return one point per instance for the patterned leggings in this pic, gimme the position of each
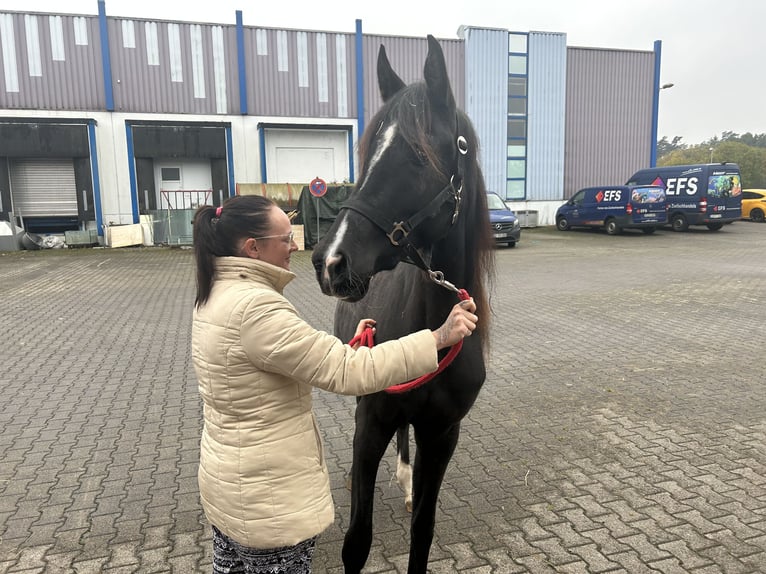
(230, 557)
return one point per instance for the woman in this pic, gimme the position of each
(262, 476)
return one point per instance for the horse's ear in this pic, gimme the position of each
(388, 81)
(437, 80)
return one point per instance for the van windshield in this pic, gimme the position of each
(647, 195)
(724, 185)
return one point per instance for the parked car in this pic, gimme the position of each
(615, 208)
(754, 204)
(505, 225)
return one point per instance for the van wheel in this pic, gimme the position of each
(679, 222)
(649, 230)
(562, 224)
(612, 228)
(757, 215)
(714, 226)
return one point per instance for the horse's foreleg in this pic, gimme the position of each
(403, 466)
(370, 442)
(431, 459)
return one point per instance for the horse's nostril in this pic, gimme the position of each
(334, 265)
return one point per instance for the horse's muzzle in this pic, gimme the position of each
(336, 278)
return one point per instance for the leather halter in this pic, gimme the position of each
(398, 232)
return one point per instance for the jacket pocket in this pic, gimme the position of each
(318, 438)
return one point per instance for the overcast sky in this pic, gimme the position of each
(714, 52)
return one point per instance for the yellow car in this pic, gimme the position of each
(754, 204)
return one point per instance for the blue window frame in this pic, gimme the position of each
(516, 169)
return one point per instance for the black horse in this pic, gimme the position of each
(420, 199)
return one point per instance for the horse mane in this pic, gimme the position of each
(479, 242)
(410, 109)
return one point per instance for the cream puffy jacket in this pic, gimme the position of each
(262, 475)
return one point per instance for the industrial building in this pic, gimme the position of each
(110, 122)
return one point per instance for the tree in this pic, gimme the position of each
(664, 147)
(754, 140)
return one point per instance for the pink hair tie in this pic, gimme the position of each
(218, 211)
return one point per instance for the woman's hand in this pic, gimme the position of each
(363, 324)
(460, 323)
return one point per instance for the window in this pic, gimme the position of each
(517, 129)
(514, 189)
(517, 149)
(517, 106)
(517, 43)
(517, 64)
(171, 174)
(517, 86)
(516, 168)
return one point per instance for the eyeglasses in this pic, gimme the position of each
(287, 237)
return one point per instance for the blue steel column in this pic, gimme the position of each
(241, 67)
(359, 81)
(132, 172)
(106, 60)
(655, 102)
(95, 176)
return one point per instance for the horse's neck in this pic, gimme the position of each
(449, 256)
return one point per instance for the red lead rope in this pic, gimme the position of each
(367, 339)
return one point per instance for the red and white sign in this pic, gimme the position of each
(318, 187)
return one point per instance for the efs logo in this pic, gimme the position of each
(682, 185)
(609, 195)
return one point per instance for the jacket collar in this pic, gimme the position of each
(239, 268)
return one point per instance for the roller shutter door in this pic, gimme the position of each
(43, 187)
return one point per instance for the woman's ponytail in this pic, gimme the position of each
(205, 249)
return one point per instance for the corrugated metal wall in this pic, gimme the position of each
(53, 62)
(486, 69)
(547, 73)
(297, 73)
(608, 116)
(168, 67)
(407, 57)
(50, 62)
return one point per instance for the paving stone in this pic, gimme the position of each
(587, 450)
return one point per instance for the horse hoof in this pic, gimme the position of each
(408, 505)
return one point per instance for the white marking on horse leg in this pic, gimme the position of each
(331, 256)
(404, 478)
(385, 142)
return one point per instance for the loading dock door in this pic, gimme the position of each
(298, 164)
(298, 156)
(43, 187)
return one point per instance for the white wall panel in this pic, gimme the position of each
(486, 86)
(546, 110)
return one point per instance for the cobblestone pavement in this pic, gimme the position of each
(621, 428)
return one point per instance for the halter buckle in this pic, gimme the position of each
(398, 227)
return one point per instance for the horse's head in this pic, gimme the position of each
(409, 192)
